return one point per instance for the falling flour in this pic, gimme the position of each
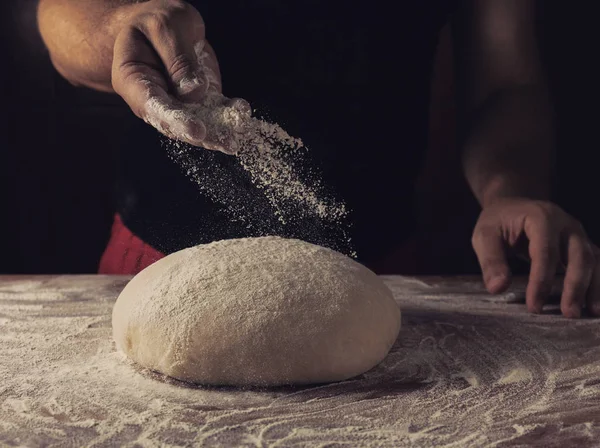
(271, 159)
(261, 149)
(271, 188)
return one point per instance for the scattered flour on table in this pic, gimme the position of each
(464, 372)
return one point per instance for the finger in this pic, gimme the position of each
(489, 247)
(544, 252)
(593, 292)
(173, 35)
(580, 266)
(137, 77)
(136, 70)
(226, 134)
(172, 119)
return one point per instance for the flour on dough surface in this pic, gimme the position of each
(257, 311)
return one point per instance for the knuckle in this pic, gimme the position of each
(124, 75)
(179, 9)
(177, 5)
(476, 238)
(158, 22)
(588, 258)
(171, 13)
(544, 210)
(481, 234)
(180, 66)
(126, 71)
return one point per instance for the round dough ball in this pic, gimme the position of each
(256, 311)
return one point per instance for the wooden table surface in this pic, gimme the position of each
(468, 369)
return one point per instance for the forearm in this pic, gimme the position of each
(80, 36)
(508, 149)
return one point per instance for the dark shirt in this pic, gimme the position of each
(353, 83)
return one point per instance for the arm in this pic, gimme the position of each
(508, 157)
(80, 36)
(508, 143)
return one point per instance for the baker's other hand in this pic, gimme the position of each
(550, 238)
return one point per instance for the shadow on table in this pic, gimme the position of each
(451, 349)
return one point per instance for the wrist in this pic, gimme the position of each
(501, 187)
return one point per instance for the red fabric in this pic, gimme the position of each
(126, 254)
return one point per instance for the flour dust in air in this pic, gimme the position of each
(265, 183)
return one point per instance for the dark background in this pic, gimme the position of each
(58, 145)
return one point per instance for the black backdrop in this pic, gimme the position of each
(57, 147)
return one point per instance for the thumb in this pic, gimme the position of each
(490, 249)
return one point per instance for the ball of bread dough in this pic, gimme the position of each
(256, 311)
